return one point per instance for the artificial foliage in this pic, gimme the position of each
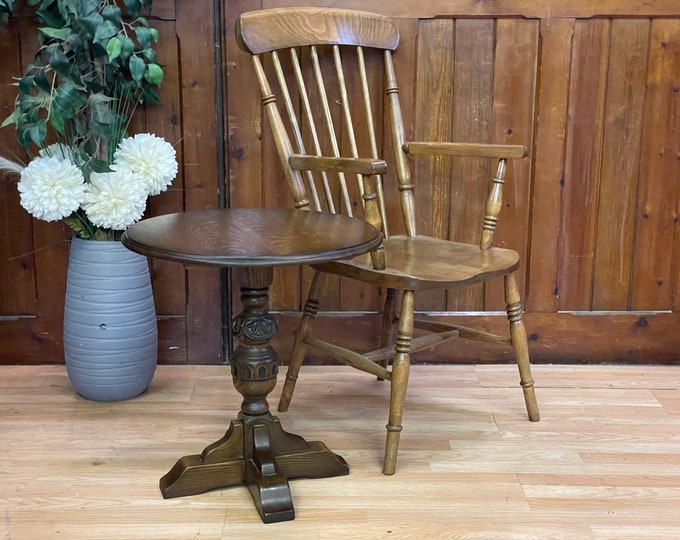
(95, 64)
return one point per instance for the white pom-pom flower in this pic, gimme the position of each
(115, 200)
(59, 150)
(51, 188)
(150, 158)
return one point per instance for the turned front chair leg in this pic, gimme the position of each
(299, 348)
(388, 325)
(399, 382)
(520, 345)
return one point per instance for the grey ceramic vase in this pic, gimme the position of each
(110, 330)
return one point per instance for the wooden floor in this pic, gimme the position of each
(604, 462)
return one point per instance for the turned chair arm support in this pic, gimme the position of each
(500, 151)
(348, 165)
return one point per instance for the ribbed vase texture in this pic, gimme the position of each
(110, 330)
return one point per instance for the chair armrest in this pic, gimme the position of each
(500, 151)
(365, 166)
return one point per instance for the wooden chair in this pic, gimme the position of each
(329, 145)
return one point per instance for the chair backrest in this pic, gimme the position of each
(328, 87)
(325, 98)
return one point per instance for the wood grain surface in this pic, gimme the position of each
(251, 237)
(601, 465)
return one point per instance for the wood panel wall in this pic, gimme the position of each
(34, 254)
(592, 88)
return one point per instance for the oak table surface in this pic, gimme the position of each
(251, 237)
(255, 450)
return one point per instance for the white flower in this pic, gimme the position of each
(115, 199)
(51, 188)
(59, 150)
(149, 157)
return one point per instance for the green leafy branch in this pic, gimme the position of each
(94, 65)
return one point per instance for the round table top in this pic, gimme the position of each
(251, 237)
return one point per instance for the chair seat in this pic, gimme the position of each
(423, 262)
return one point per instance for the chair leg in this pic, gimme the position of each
(299, 348)
(399, 382)
(389, 320)
(518, 336)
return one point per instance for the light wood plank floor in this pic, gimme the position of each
(604, 462)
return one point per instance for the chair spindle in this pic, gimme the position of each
(283, 145)
(494, 204)
(330, 126)
(295, 125)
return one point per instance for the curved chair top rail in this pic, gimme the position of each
(268, 30)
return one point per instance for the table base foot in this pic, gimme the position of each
(257, 452)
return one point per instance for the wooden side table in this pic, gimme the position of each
(255, 450)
